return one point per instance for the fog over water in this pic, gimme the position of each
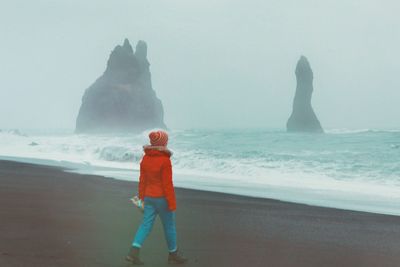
(214, 63)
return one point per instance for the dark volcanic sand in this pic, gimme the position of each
(53, 218)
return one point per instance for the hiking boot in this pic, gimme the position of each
(175, 258)
(133, 256)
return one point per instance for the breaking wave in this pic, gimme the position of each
(357, 162)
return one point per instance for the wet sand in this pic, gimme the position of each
(49, 217)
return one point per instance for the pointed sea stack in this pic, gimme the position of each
(303, 118)
(122, 99)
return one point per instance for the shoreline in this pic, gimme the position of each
(55, 218)
(327, 198)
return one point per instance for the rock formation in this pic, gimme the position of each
(122, 99)
(303, 118)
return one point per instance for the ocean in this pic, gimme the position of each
(349, 169)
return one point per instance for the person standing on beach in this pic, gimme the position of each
(157, 192)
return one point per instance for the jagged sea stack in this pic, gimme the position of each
(303, 118)
(122, 99)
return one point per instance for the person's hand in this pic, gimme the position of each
(138, 202)
(171, 209)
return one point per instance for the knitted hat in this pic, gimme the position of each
(158, 138)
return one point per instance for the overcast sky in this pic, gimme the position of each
(216, 63)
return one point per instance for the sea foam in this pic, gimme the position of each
(345, 170)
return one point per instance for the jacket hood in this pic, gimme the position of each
(157, 150)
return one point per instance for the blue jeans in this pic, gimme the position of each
(152, 207)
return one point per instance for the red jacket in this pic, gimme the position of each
(156, 176)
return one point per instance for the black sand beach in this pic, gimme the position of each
(53, 218)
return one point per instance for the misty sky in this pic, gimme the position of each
(217, 63)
